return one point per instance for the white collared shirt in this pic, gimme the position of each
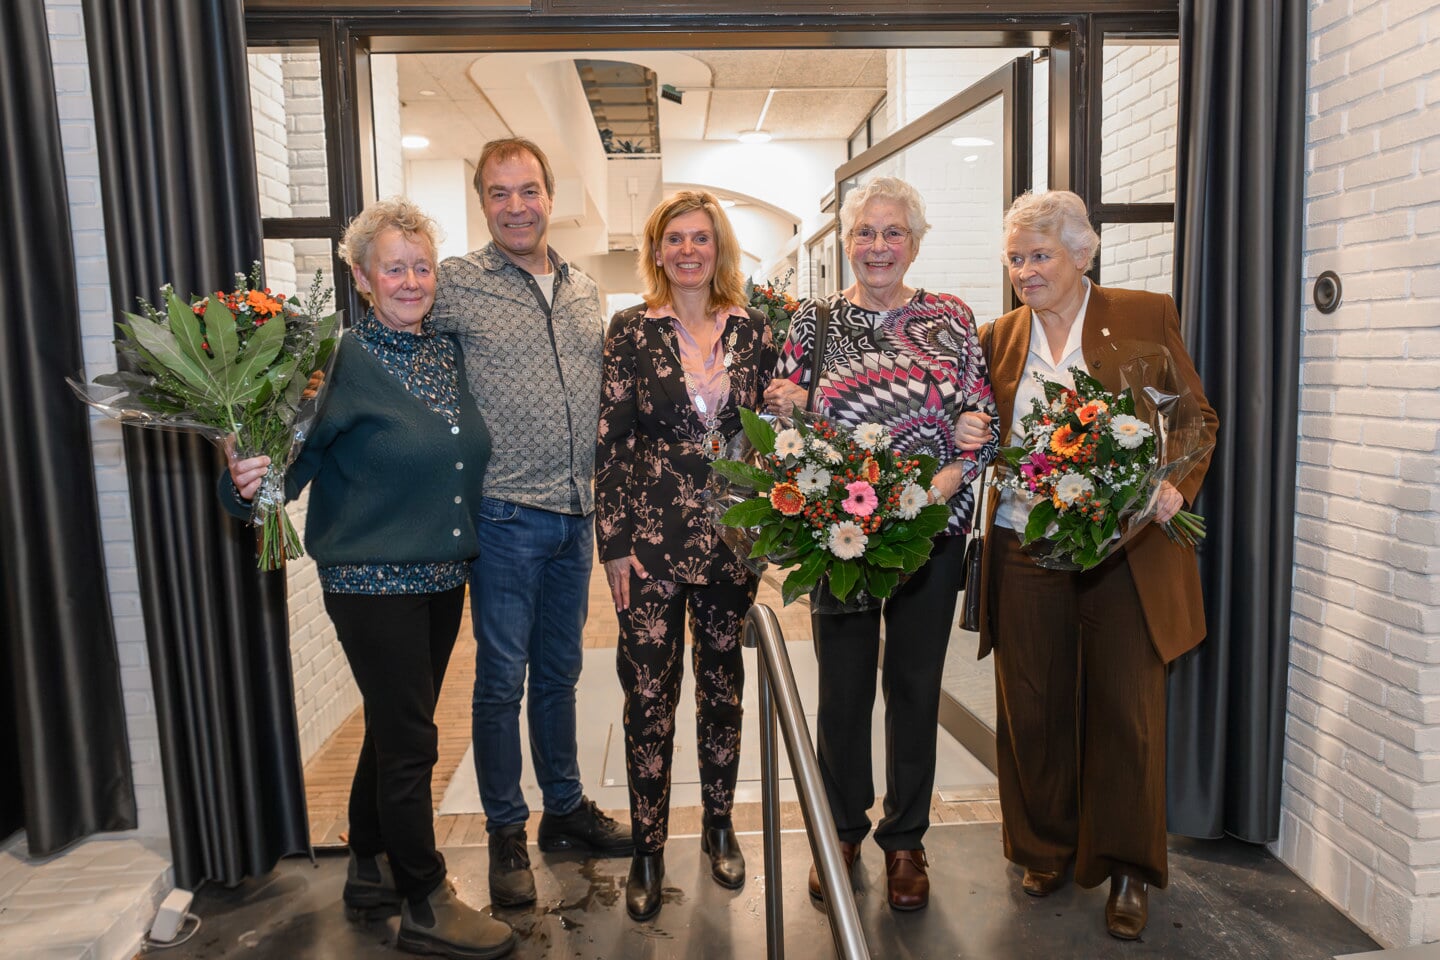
(1014, 512)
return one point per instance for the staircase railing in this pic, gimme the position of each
(779, 700)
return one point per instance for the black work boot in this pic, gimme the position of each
(511, 882)
(442, 926)
(643, 894)
(370, 892)
(587, 830)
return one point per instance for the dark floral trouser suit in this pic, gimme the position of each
(651, 666)
(650, 475)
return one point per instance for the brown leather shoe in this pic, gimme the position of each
(1042, 883)
(1128, 908)
(850, 852)
(905, 879)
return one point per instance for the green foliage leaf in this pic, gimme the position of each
(760, 434)
(913, 554)
(157, 341)
(748, 513)
(844, 575)
(743, 474)
(881, 583)
(928, 467)
(186, 329)
(883, 555)
(931, 519)
(220, 333)
(803, 579)
(260, 352)
(1041, 516)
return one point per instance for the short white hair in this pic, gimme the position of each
(885, 188)
(1057, 213)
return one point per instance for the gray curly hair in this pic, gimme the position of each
(375, 219)
(885, 188)
(1058, 213)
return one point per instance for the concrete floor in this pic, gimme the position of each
(1226, 900)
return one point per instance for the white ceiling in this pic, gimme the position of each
(811, 95)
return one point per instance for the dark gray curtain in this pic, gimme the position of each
(181, 205)
(64, 759)
(1242, 110)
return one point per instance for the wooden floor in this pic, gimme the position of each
(327, 775)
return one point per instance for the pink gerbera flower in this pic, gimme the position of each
(862, 500)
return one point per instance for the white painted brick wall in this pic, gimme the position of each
(1360, 813)
(290, 158)
(1141, 94)
(66, 23)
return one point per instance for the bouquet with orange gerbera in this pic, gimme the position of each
(1092, 461)
(232, 363)
(838, 505)
(777, 305)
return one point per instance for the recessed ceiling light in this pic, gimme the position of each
(755, 136)
(414, 142)
(972, 158)
(726, 202)
(427, 93)
(972, 142)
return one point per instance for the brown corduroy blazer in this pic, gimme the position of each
(1167, 577)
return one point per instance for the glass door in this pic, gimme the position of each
(969, 158)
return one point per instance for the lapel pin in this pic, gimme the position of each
(1104, 331)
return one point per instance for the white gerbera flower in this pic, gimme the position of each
(913, 499)
(1129, 431)
(789, 443)
(812, 479)
(872, 436)
(1071, 486)
(847, 540)
(824, 451)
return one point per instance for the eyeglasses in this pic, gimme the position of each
(894, 236)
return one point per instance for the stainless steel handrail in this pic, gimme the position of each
(780, 699)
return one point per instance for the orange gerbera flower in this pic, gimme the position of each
(1065, 442)
(870, 470)
(787, 498)
(262, 303)
(1091, 410)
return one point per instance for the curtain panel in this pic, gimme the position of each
(181, 206)
(64, 757)
(1239, 205)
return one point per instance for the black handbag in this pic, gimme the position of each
(974, 558)
(817, 350)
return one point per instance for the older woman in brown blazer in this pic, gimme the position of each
(1080, 658)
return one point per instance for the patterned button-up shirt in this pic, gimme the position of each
(534, 369)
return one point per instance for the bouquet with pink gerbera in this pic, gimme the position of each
(837, 505)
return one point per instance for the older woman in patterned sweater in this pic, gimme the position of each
(907, 359)
(395, 466)
(677, 370)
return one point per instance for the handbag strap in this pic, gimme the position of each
(977, 522)
(817, 350)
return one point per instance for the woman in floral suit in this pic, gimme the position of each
(677, 370)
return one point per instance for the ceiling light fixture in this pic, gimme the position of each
(759, 135)
(726, 202)
(972, 158)
(972, 142)
(414, 141)
(427, 93)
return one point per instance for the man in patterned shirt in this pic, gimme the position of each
(530, 327)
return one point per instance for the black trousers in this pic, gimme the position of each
(651, 663)
(918, 617)
(398, 647)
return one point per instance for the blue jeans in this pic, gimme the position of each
(529, 593)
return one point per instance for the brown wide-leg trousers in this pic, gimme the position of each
(1080, 731)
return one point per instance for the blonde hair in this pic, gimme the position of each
(727, 286)
(378, 217)
(1057, 213)
(885, 188)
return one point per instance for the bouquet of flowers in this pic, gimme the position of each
(1092, 462)
(233, 363)
(837, 505)
(774, 304)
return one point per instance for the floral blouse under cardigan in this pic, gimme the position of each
(912, 369)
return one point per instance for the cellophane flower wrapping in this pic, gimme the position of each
(837, 508)
(1092, 462)
(231, 363)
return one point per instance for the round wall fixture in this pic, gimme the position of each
(1327, 291)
